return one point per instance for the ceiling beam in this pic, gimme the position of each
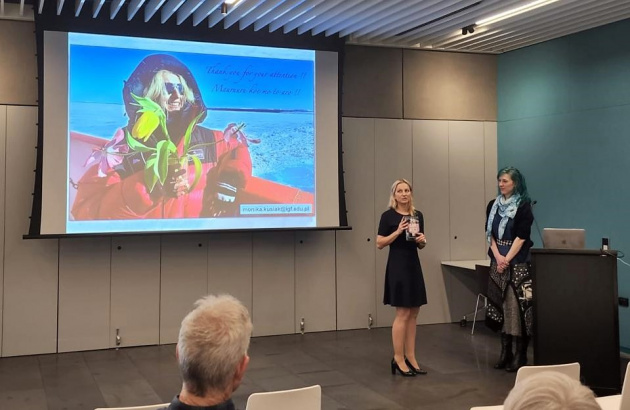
(114, 8)
(372, 16)
(278, 12)
(258, 13)
(169, 9)
(323, 16)
(237, 13)
(133, 8)
(204, 10)
(309, 15)
(78, 6)
(151, 8)
(96, 7)
(328, 24)
(292, 14)
(187, 9)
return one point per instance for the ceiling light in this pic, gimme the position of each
(224, 8)
(515, 11)
(468, 29)
(230, 1)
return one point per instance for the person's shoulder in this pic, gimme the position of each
(419, 214)
(525, 206)
(490, 205)
(387, 212)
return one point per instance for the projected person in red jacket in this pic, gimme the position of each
(163, 164)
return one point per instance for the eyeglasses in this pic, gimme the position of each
(170, 88)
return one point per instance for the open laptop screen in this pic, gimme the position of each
(558, 238)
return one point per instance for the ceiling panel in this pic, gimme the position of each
(415, 24)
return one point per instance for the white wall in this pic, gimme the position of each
(75, 294)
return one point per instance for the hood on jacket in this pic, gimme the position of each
(141, 78)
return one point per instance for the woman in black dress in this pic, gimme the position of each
(402, 228)
(508, 229)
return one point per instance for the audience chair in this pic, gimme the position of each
(618, 401)
(570, 369)
(482, 274)
(307, 398)
(149, 407)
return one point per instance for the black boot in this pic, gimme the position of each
(520, 356)
(506, 351)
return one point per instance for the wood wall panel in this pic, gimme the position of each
(449, 86)
(30, 266)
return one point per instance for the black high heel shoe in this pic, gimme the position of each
(395, 367)
(413, 369)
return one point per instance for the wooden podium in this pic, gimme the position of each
(575, 314)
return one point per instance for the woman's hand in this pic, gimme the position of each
(502, 265)
(421, 240)
(402, 226)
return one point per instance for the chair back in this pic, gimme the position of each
(570, 369)
(483, 275)
(625, 391)
(306, 398)
(149, 407)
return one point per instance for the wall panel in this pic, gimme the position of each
(467, 183)
(3, 152)
(372, 82)
(491, 158)
(135, 290)
(84, 294)
(184, 280)
(273, 283)
(355, 249)
(431, 196)
(18, 63)
(449, 86)
(230, 265)
(315, 281)
(30, 266)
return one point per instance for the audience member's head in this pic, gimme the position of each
(212, 349)
(550, 391)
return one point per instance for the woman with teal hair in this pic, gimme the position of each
(508, 228)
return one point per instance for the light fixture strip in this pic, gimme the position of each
(516, 11)
(230, 2)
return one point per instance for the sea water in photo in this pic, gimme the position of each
(285, 153)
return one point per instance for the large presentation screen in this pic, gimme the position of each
(150, 135)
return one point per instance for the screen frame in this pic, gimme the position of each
(48, 20)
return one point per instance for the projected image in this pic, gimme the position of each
(189, 138)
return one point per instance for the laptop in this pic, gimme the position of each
(557, 238)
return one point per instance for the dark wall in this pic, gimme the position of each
(417, 84)
(18, 63)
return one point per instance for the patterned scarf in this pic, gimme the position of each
(507, 209)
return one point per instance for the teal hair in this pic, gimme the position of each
(520, 187)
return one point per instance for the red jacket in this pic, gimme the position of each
(114, 197)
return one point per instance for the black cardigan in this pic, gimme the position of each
(523, 221)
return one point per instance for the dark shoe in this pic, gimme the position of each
(413, 369)
(506, 356)
(395, 367)
(520, 355)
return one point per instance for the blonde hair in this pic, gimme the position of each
(157, 88)
(550, 391)
(392, 195)
(213, 340)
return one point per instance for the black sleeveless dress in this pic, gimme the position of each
(404, 283)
